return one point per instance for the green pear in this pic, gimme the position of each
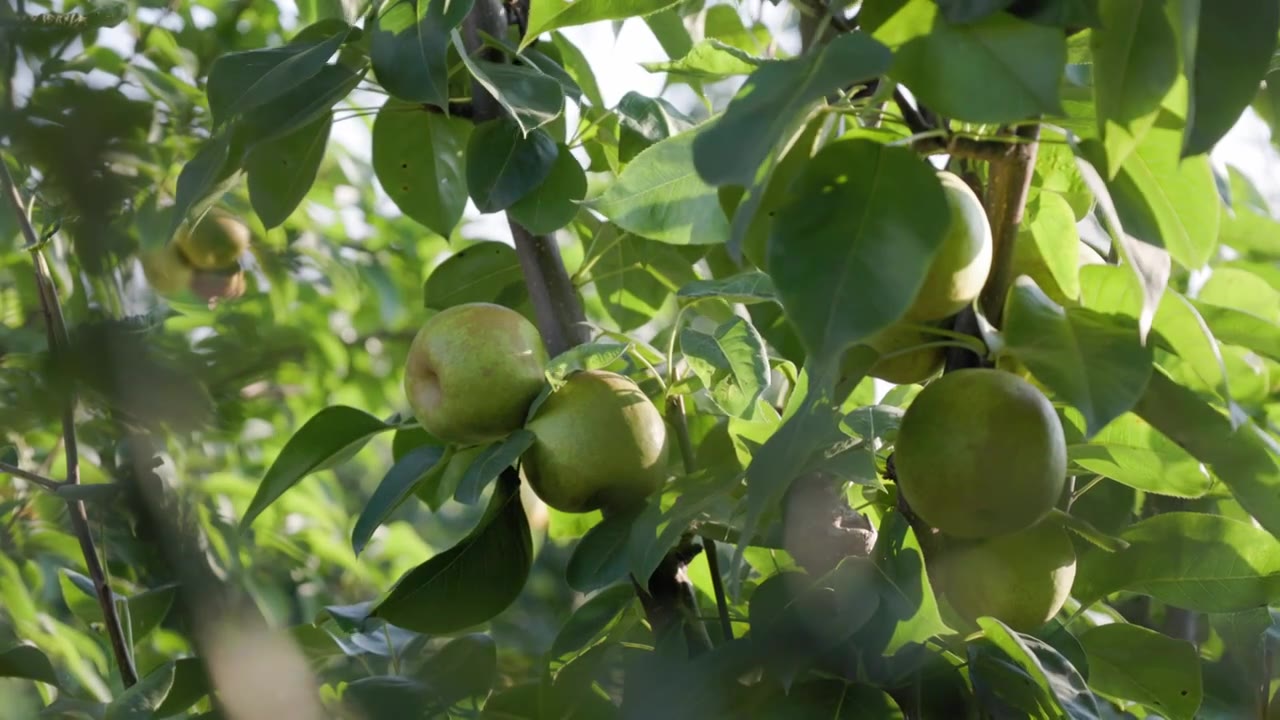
(216, 242)
(962, 263)
(980, 452)
(600, 443)
(167, 272)
(473, 371)
(1022, 579)
(908, 367)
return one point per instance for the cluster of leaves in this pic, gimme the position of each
(731, 263)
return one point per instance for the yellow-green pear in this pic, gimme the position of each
(908, 367)
(980, 452)
(473, 371)
(962, 263)
(167, 272)
(600, 443)
(1021, 579)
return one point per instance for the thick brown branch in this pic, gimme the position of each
(56, 329)
(1006, 201)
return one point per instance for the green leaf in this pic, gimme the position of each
(555, 201)
(1239, 457)
(203, 178)
(966, 11)
(282, 171)
(1249, 225)
(465, 667)
(190, 684)
(484, 272)
(302, 105)
(578, 68)
(330, 436)
(1091, 360)
(774, 100)
(636, 279)
(418, 159)
(600, 557)
(504, 164)
(859, 230)
(745, 288)
(29, 663)
(140, 701)
(546, 15)
(490, 463)
(753, 217)
(1130, 451)
(1242, 328)
(588, 356)
(1057, 682)
(1234, 43)
(731, 363)
(1051, 231)
(908, 610)
(395, 488)
(643, 121)
(472, 581)
(386, 697)
(1155, 670)
(239, 82)
(147, 609)
(1242, 290)
(1135, 63)
(1151, 266)
(1168, 201)
(532, 97)
(660, 196)
(707, 61)
(1206, 563)
(409, 48)
(591, 618)
(1000, 69)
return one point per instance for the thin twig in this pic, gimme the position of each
(33, 477)
(56, 328)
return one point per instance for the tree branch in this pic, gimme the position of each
(40, 480)
(556, 305)
(1006, 202)
(56, 329)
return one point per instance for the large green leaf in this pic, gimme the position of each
(731, 363)
(1166, 200)
(1093, 361)
(1240, 457)
(409, 48)
(190, 684)
(1233, 287)
(1050, 236)
(465, 667)
(966, 11)
(660, 196)
(472, 581)
(1242, 328)
(553, 203)
(484, 272)
(29, 663)
(1129, 451)
(908, 610)
(1135, 63)
(637, 277)
(774, 99)
(830, 700)
(999, 69)
(746, 288)
(282, 171)
(1206, 563)
(600, 557)
(1234, 42)
(394, 489)
(239, 82)
(504, 164)
(1057, 683)
(301, 105)
(707, 61)
(859, 229)
(418, 158)
(330, 436)
(546, 15)
(1134, 663)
